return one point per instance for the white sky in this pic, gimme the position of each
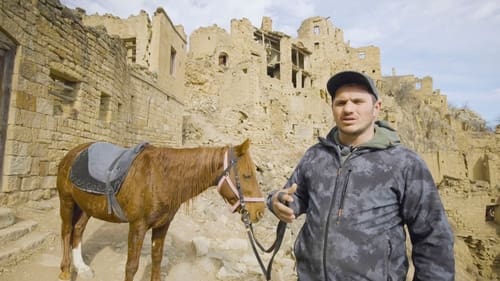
(457, 42)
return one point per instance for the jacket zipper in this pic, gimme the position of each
(332, 203)
(342, 196)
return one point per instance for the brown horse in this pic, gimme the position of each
(158, 182)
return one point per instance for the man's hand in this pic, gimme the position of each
(279, 203)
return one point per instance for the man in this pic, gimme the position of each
(358, 188)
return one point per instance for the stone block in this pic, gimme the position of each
(7, 217)
(49, 182)
(43, 168)
(20, 133)
(11, 183)
(17, 148)
(25, 101)
(30, 183)
(44, 106)
(17, 165)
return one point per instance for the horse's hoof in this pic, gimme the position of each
(86, 273)
(64, 276)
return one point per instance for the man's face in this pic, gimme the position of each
(354, 111)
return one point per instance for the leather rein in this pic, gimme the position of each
(245, 217)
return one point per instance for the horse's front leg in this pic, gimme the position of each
(157, 241)
(136, 233)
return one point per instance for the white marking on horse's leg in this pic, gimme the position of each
(82, 268)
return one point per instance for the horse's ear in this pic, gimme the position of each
(243, 147)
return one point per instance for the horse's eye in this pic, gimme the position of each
(247, 176)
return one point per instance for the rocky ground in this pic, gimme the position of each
(205, 242)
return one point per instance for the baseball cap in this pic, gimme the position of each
(350, 77)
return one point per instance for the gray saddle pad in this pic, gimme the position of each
(102, 167)
(107, 161)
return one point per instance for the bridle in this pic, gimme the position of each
(245, 217)
(235, 188)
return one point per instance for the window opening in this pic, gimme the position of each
(130, 45)
(105, 108)
(271, 45)
(119, 112)
(316, 30)
(490, 212)
(173, 53)
(64, 91)
(223, 58)
(294, 78)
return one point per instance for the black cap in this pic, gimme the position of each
(350, 77)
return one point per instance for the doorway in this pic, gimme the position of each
(7, 55)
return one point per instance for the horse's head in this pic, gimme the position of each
(239, 186)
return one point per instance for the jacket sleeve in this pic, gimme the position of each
(301, 195)
(430, 232)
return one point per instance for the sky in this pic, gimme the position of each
(456, 42)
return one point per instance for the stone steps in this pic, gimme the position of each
(19, 238)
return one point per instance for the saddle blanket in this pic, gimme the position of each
(102, 167)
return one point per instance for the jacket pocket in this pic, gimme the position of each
(388, 261)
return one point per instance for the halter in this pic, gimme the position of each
(280, 229)
(235, 188)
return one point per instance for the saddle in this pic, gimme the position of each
(101, 169)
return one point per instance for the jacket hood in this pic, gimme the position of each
(385, 137)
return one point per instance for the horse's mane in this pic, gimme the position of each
(190, 171)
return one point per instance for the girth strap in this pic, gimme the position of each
(113, 205)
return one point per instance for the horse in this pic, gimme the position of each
(159, 181)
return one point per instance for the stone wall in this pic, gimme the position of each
(71, 84)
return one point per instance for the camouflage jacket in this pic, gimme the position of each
(356, 212)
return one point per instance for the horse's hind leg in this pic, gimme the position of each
(72, 227)
(80, 222)
(66, 212)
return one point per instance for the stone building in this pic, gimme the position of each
(65, 83)
(276, 79)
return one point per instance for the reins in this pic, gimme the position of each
(236, 188)
(280, 233)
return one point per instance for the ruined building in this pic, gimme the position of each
(68, 78)
(64, 83)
